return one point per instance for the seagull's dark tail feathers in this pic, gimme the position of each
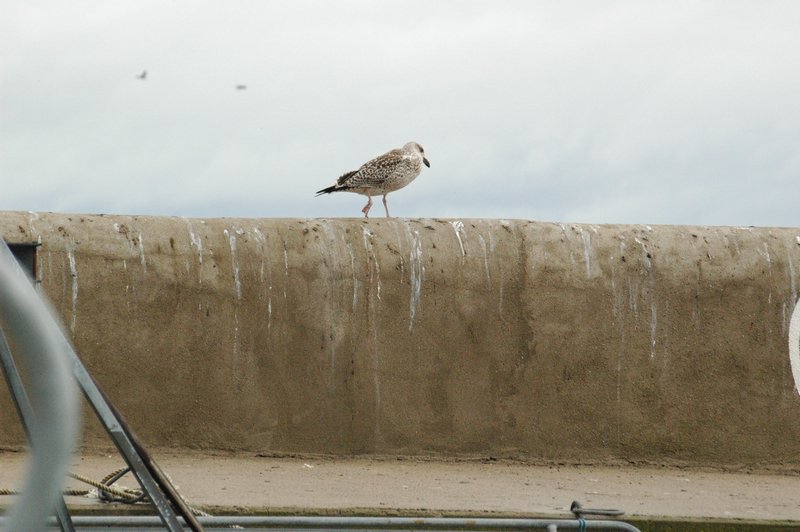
(340, 184)
(332, 188)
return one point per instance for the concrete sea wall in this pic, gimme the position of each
(540, 341)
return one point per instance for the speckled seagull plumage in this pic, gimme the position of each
(389, 172)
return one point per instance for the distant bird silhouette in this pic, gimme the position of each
(143, 75)
(389, 172)
(241, 87)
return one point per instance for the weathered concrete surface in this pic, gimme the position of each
(533, 340)
(225, 484)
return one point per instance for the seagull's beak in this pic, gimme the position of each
(424, 160)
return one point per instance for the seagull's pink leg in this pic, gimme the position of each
(366, 208)
(385, 206)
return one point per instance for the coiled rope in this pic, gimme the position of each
(107, 491)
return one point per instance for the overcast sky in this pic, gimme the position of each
(680, 112)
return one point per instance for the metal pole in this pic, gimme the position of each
(152, 468)
(121, 438)
(372, 523)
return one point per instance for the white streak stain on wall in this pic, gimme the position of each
(266, 266)
(141, 252)
(566, 240)
(285, 269)
(653, 326)
(499, 273)
(767, 257)
(32, 218)
(416, 270)
(73, 272)
(375, 370)
(618, 319)
(353, 269)
(196, 241)
(587, 246)
(458, 229)
(237, 286)
(400, 253)
(372, 261)
(482, 242)
(647, 261)
(328, 253)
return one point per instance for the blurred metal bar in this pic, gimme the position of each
(50, 409)
(151, 468)
(110, 420)
(25, 413)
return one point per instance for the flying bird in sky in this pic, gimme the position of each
(389, 172)
(143, 75)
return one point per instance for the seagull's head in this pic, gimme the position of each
(415, 148)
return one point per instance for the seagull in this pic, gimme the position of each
(241, 87)
(143, 75)
(389, 172)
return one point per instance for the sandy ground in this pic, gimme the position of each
(227, 484)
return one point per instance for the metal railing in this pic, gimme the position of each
(321, 523)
